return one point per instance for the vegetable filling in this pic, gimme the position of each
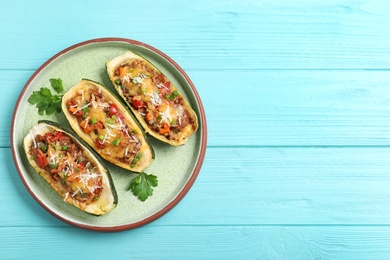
(68, 166)
(149, 92)
(103, 122)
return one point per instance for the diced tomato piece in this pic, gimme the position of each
(113, 110)
(58, 135)
(99, 125)
(53, 137)
(138, 103)
(41, 159)
(166, 89)
(98, 143)
(49, 136)
(81, 166)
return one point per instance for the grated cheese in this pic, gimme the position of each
(126, 78)
(155, 98)
(81, 108)
(86, 122)
(53, 158)
(104, 105)
(161, 85)
(66, 196)
(33, 138)
(166, 116)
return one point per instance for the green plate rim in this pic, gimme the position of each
(188, 184)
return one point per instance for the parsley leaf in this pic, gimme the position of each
(56, 84)
(142, 185)
(45, 101)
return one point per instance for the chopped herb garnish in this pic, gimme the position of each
(64, 147)
(93, 120)
(45, 101)
(53, 165)
(142, 185)
(118, 82)
(44, 148)
(56, 84)
(170, 97)
(134, 131)
(116, 142)
(135, 160)
(63, 181)
(101, 137)
(175, 93)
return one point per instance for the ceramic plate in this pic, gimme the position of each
(175, 167)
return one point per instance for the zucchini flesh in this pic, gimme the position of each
(155, 101)
(70, 168)
(102, 121)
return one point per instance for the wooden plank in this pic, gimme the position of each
(225, 35)
(200, 242)
(274, 108)
(245, 186)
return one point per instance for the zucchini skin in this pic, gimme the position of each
(84, 146)
(118, 102)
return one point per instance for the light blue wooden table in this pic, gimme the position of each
(297, 97)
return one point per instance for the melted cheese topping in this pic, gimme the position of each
(163, 108)
(102, 121)
(70, 167)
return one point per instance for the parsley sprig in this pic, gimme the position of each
(142, 185)
(45, 101)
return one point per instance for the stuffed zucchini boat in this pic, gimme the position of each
(70, 168)
(101, 120)
(155, 101)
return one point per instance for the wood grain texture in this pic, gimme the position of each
(297, 100)
(276, 108)
(201, 242)
(245, 186)
(206, 35)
